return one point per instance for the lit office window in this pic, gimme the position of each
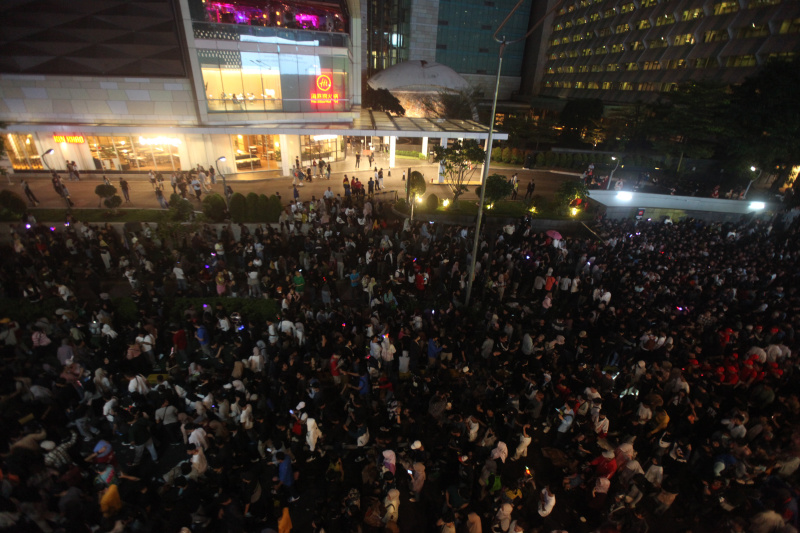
(657, 43)
(642, 24)
(751, 31)
(741, 61)
(627, 8)
(723, 8)
(686, 38)
(676, 64)
(691, 14)
(617, 48)
(714, 36)
(665, 20)
(649, 3)
(651, 65)
(622, 28)
(753, 4)
(790, 26)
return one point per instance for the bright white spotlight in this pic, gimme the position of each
(625, 196)
(757, 206)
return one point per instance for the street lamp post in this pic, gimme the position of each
(224, 183)
(488, 161)
(44, 160)
(611, 176)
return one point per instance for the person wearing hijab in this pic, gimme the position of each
(417, 479)
(392, 504)
(524, 441)
(500, 452)
(256, 361)
(474, 523)
(246, 418)
(502, 520)
(390, 461)
(312, 434)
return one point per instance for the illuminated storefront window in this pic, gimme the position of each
(256, 152)
(22, 152)
(320, 148)
(239, 81)
(158, 153)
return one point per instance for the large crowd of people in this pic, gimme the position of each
(641, 378)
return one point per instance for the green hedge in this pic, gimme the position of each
(410, 153)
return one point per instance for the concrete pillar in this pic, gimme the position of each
(290, 149)
(445, 140)
(424, 149)
(392, 146)
(286, 160)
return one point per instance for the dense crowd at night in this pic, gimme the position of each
(638, 378)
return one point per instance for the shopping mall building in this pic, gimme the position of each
(126, 86)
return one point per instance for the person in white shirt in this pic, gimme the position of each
(138, 384)
(180, 277)
(546, 502)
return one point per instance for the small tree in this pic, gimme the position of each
(497, 188)
(383, 100)
(274, 209)
(104, 191)
(180, 208)
(113, 203)
(262, 208)
(568, 192)
(252, 207)
(238, 207)
(214, 207)
(460, 161)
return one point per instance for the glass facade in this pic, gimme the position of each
(21, 150)
(238, 81)
(126, 153)
(256, 152)
(320, 148)
(271, 13)
(464, 38)
(387, 34)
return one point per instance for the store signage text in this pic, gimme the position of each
(323, 95)
(160, 141)
(71, 139)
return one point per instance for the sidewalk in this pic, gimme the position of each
(143, 196)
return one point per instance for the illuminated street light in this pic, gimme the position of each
(503, 43)
(611, 177)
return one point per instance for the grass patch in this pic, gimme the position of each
(103, 215)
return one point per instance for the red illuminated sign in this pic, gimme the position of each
(324, 95)
(324, 83)
(71, 139)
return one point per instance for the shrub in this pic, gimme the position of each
(550, 159)
(252, 207)
(238, 207)
(432, 202)
(497, 188)
(401, 205)
(214, 207)
(516, 156)
(113, 203)
(262, 208)
(540, 159)
(497, 154)
(105, 191)
(567, 160)
(12, 202)
(274, 209)
(506, 155)
(180, 208)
